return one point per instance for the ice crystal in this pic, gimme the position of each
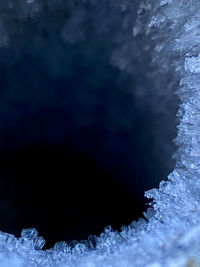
(192, 64)
(171, 232)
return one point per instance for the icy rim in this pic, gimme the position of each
(170, 236)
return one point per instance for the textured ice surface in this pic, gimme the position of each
(192, 64)
(171, 232)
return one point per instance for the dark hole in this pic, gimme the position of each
(63, 194)
(80, 139)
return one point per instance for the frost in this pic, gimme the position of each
(30, 1)
(164, 2)
(170, 233)
(192, 64)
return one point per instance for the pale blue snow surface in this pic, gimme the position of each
(171, 235)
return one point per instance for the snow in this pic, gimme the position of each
(170, 235)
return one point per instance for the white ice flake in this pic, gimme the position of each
(192, 64)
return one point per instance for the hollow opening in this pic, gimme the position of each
(85, 129)
(63, 194)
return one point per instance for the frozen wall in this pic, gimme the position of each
(170, 236)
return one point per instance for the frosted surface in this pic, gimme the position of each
(171, 232)
(192, 64)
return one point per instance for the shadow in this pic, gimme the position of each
(62, 193)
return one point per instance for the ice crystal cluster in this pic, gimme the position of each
(170, 235)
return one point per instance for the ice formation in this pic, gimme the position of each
(170, 234)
